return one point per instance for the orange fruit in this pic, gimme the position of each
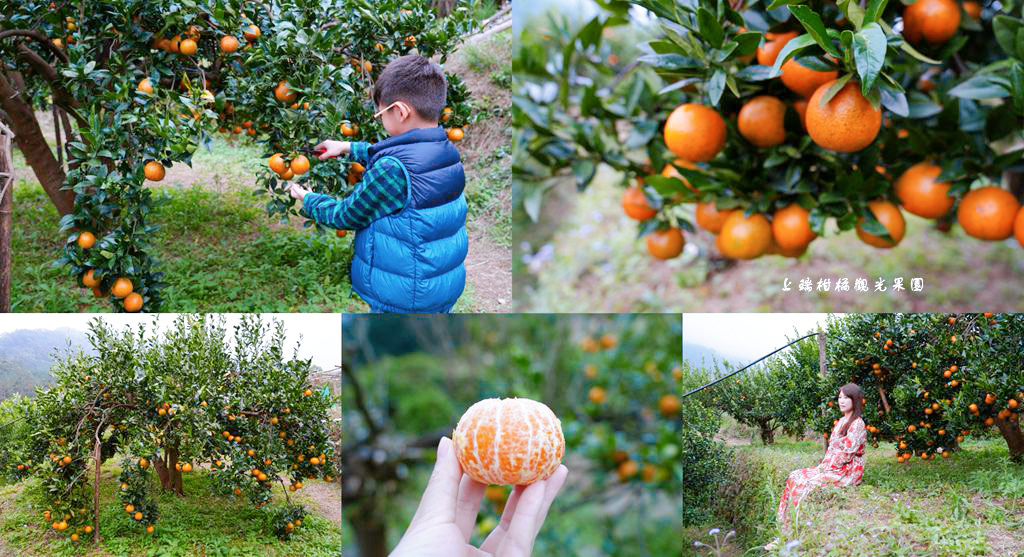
(597, 395)
(86, 240)
(456, 134)
(1018, 227)
(307, 392)
(761, 121)
(920, 192)
(890, 217)
(88, 529)
(634, 203)
(695, 132)
(710, 218)
(283, 93)
(188, 47)
(670, 172)
(669, 406)
(58, 43)
(848, 123)
(287, 174)
(773, 43)
(277, 163)
(341, 233)
(368, 66)
(744, 237)
(804, 81)
(129, 508)
(228, 43)
(665, 244)
(138, 516)
(988, 213)
(446, 114)
(510, 441)
(358, 168)
(800, 106)
(122, 287)
(252, 32)
(300, 165)
(935, 21)
(133, 302)
(74, 538)
(154, 171)
(145, 86)
(89, 279)
(791, 228)
(973, 9)
(627, 470)
(347, 130)
(911, 428)
(150, 529)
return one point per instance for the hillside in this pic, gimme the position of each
(27, 355)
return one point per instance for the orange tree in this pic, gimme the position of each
(705, 460)
(774, 117)
(172, 403)
(930, 380)
(137, 87)
(612, 381)
(774, 394)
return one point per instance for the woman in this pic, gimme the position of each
(843, 465)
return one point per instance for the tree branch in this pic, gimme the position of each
(361, 401)
(39, 37)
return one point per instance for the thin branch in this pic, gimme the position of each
(39, 36)
(357, 390)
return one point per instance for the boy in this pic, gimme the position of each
(408, 211)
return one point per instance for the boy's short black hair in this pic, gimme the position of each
(415, 80)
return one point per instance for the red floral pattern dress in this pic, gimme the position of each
(843, 466)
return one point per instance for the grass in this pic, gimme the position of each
(487, 193)
(971, 504)
(198, 524)
(219, 252)
(584, 255)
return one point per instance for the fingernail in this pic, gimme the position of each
(444, 447)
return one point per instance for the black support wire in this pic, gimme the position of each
(744, 368)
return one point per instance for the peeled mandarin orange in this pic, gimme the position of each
(509, 441)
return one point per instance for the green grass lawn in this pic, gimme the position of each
(970, 504)
(197, 524)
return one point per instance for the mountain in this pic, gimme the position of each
(26, 357)
(695, 353)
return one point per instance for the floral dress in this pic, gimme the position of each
(842, 466)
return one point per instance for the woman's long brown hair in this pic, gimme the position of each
(855, 393)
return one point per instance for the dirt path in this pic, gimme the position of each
(324, 498)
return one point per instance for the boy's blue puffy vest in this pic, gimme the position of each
(413, 261)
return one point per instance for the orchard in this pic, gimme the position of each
(137, 87)
(193, 399)
(759, 123)
(932, 380)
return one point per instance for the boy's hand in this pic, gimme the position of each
(331, 149)
(298, 192)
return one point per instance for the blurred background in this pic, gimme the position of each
(613, 381)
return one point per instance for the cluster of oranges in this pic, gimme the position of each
(122, 287)
(847, 123)
(1011, 412)
(288, 169)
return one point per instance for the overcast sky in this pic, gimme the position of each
(320, 332)
(747, 336)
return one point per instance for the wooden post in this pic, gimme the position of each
(821, 353)
(97, 457)
(6, 221)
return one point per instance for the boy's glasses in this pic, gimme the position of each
(387, 108)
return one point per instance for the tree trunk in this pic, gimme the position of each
(1011, 432)
(30, 140)
(767, 433)
(173, 473)
(6, 218)
(371, 534)
(161, 470)
(97, 457)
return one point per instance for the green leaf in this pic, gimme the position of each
(747, 43)
(780, 3)
(1020, 43)
(853, 12)
(788, 51)
(869, 47)
(834, 89)
(982, 87)
(755, 73)
(1005, 29)
(922, 106)
(815, 27)
(669, 61)
(1017, 87)
(710, 29)
(584, 171)
(875, 9)
(716, 86)
(895, 102)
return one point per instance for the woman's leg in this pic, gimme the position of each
(797, 485)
